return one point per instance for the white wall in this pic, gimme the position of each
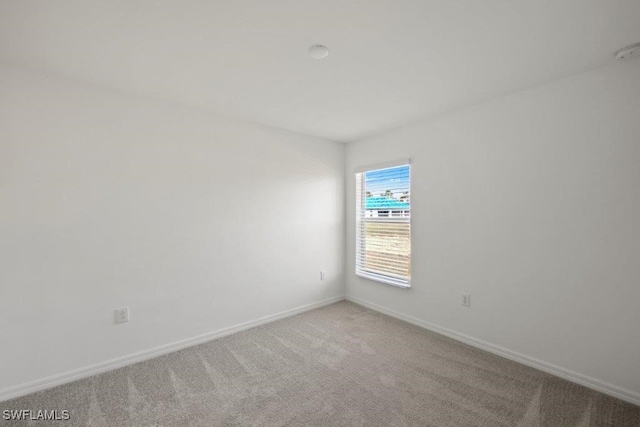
(194, 221)
(531, 203)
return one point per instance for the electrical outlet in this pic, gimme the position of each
(122, 315)
(466, 300)
(322, 275)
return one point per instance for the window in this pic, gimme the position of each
(383, 227)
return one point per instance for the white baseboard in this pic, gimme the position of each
(76, 374)
(592, 383)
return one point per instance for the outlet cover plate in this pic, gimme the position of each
(466, 299)
(121, 315)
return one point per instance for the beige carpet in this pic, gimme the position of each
(341, 365)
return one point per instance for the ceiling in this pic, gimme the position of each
(390, 63)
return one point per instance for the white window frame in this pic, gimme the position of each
(361, 217)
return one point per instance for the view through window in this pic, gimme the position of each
(383, 227)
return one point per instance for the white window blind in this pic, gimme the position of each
(383, 224)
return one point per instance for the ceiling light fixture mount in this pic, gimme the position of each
(318, 51)
(629, 51)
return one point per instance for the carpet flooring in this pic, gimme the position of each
(340, 365)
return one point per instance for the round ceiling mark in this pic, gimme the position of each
(318, 51)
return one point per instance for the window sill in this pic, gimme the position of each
(397, 283)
